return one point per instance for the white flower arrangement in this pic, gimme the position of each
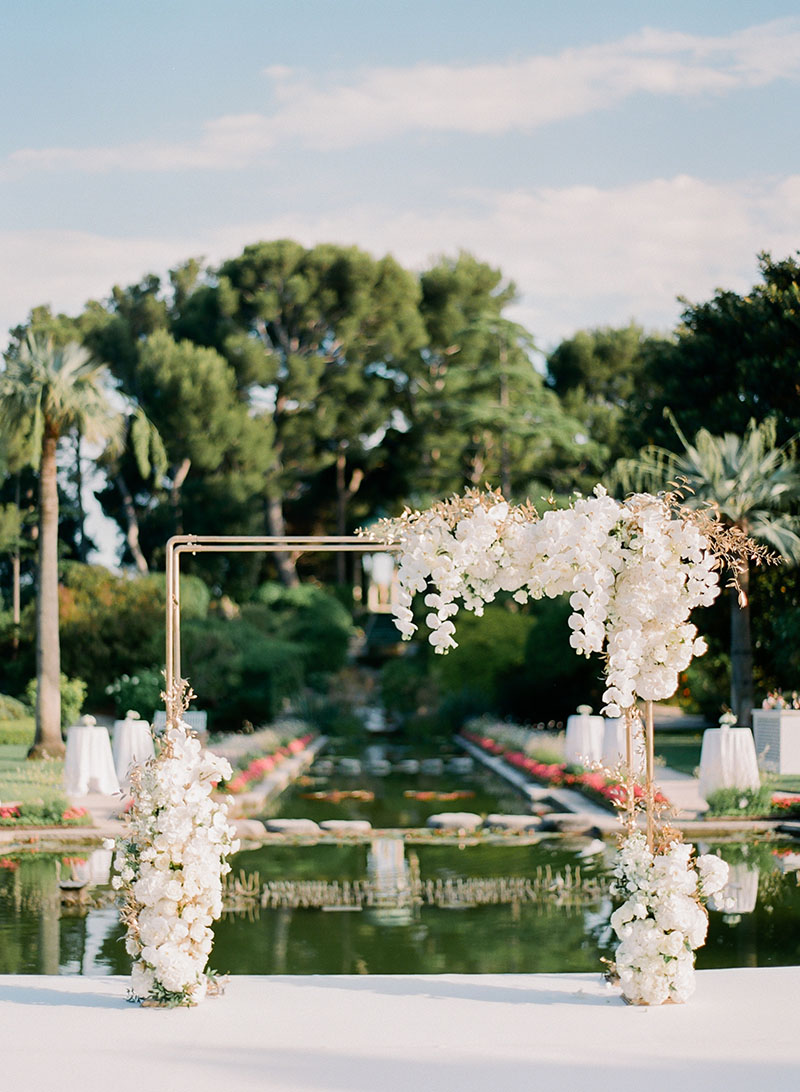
(633, 570)
(663, 918)
(170, 865)
(728, 719)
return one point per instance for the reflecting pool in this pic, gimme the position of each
(476, 909)
(391, 788)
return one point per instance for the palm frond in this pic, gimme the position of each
(747, 480)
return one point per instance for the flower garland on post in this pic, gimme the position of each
(170, 865)
(634, 571)
(663, 918)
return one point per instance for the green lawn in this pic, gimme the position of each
(785, 782)
(680, 750)
(22, 780)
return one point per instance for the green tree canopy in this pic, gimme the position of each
(53, 390)
(753, 485)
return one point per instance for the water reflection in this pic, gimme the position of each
(55, 919)
(438, 909)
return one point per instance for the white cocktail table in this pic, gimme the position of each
(728, 760)
(584, 738)
(133, 745)
(88, 763)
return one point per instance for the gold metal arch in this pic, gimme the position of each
(300, 544)
(240, 544)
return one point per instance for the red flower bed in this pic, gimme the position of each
(786, 806)
(593, 783)
(37, 814)
(260, 767)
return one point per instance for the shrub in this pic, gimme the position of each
(734, 802)
(141, 692)
(73, 695)
(54, 812)
(405, 683)
(491, 650)
(237, 672)
(705, 685)
(12, 708)
(308, 616)
(113, 624)
(19, 733)
(554, 679)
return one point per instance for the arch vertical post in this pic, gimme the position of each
(649, 750)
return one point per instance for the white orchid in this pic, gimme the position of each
(633, 571)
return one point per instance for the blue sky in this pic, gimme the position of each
(608, 157)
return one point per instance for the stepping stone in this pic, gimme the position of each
(461, 764)
(349, 766)
(570, 823)
(292, 826)
(249, 828)
(346, 826)
(432, 765)
(380, 767)
(408, 765)
(455, 820)
(323, 767)
(513, 822)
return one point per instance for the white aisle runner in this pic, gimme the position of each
(449, 1033)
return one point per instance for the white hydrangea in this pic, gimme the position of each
(662, 919)
(170, 865)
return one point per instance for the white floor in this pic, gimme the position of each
(450, 1033)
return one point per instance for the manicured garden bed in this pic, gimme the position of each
(32, 793)
(594, 784)
(762, 803)
(254, 768)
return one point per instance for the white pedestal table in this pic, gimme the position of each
(584, 739)
(89, 763)
(133, 745)
(728, 760)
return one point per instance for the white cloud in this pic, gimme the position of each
(517, 96)
(581, 256)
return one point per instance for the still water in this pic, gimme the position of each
(563, 929)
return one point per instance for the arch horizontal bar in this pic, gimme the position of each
(242, 544)
(284, 547)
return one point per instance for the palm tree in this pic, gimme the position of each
(51, 391)
(750, 483)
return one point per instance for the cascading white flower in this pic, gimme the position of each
(170, 866)
(633, 570)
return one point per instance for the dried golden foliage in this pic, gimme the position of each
(731, 546)
(451, 511)
(177, 699)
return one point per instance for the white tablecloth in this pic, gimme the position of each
(584, 740)
(133, 744)
(614, 744)
(728, 760)
(89, 764)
